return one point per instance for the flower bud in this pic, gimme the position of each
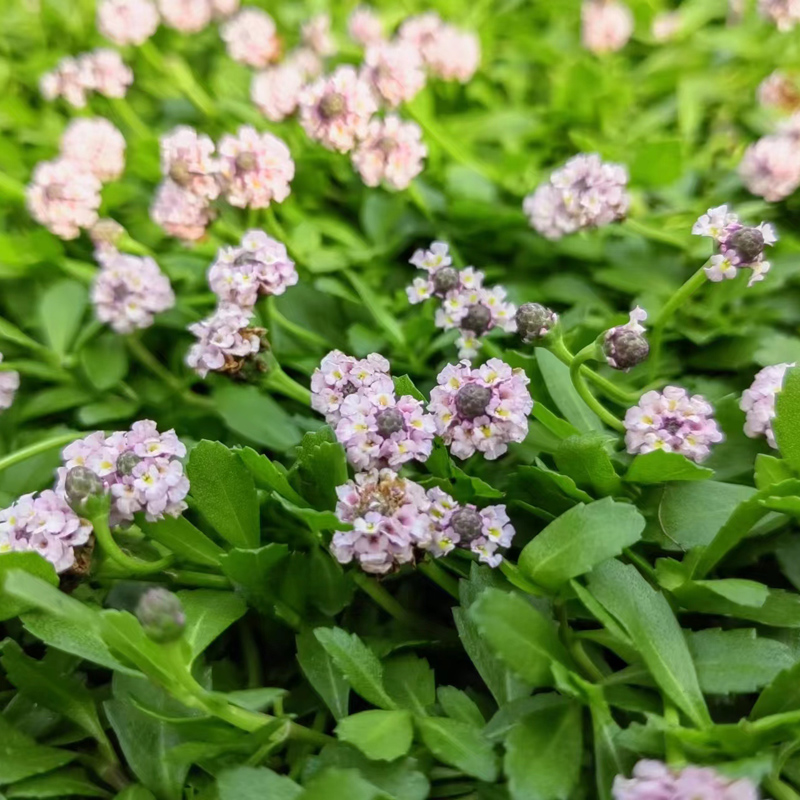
(534, 321)
(445, 279)
(472, 400)
(389, 421)
(748, 243)
(81, 484)
(468, 524)
(161, 615)
(625, 348)
(106, 233)
(477, 319)
(126, 462)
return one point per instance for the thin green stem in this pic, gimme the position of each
(124, 111)
(589, 352)
(107, 544)
(780, 790)
(36, 448)
(200, 580)
(250, 652)
(575, 648)
(277, 380)
(516, 578)
(299, 331)
(440, 578)
(667, 312)
(672, 747)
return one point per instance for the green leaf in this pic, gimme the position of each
(405, 386)
(736, 661)
(21, 757)
(357, 663)
(184, 539)
(323, 675)
(459, 745)
(410, 681)
(544, 753)
(317, 521)
(339, 783)
(256, 699)
(559, 385)
(376, 307)
(519, 634)
(269, 475)
(253, 572)
(255, 783)
(136, 792)
(648, 620)
(224, 493)
(60, 312)
(33, 592)
(33, 564)
(208, 614)
(661, 466)
(578, 540)
(257, 417)
(585, 459)
(379, 735)
(786, 424)
(781, 695)
(771, 470)
(321, 466)
(105, 361)
(61, 784)
(459, 705)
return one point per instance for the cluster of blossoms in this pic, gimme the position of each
(252, 38)
(43, 524)
(784, 13)
(740, 246)
(64, 194)
(672, 421)
(140, 469)
(128, 290)
(392, 151)
(225, 340)
(9, 383)
(585, 193)
(135, 21)
(101, 71)
(625, 345)
(395, 521)
(377, 428)
(466, 304)
(758, 402)
(770, 167)
(481, 410)
(250, 169)
(606, 25)
(654, 780)
(778, 91)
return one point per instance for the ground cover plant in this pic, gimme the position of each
(399, 401)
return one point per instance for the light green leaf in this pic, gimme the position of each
(33, 564)
(184, 539)
(459, 705)
(585, 459)
(559, 385)
(660, 467)
(269, 474)
(208, 614)
(60, 784)
(410, 681)
(459, 745)
(61, 311)
(339, 783)
(253, 572)
(379, 735)
(105, 361)
(786, 424)
(255, 783)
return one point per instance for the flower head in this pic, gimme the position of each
(316, 35)
(128, 291)
(395, 69)
(625, 345)
(392, 151)
(364, 26)
(127, 21)
(784, 13)
(63, 197)
(454, 55)
(606, 25)
(9, 383)
(585, 193)
(534, 321)
(481, 410)
(180, 212)
(256, 168)
(187, 16)
(251, 37)
(336, 110)
(438, 255)
(96, 146)
(97, 71)
(276, 91)
(674, 422)
(654, 780)
(187, 159)
(225, 341)
(758, 402)
(224, 8)
(778, 91)
(770, 167)
(110, 76)
(43, 524)
(339, 376)
(260, 265)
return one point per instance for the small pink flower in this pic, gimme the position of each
(396, 71)
(127, 21)
(784, 13)
(364, 26)
(455, 55)
(770, 168)
(251, 37)
(187, 16)
(276, 91)
(257, 168)
(422, 31)
(758, 402)
(778, 91)
(180, 212)
(392, 151)
(339, 376)
(316, 35)
(187, 158)
(336, 110)
(111, 77)
(98, 71)
(225, 340)
(654, 780)
(96, 146)
(9, 383)
(224, 8)
(607, 25)
(63, 197)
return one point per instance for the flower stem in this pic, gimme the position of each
(780, 790)
(673, 752)
(36, 448)
(590, 352)
(299, 331)
(667, 312)
(277, 380)
(440, 578)
(200, 580)
(107, 544)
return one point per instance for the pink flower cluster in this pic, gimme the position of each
(101, 71)
(191, 16)
(260, 265)
(141, 469)
(392, 151)
(250, 169)
(364, 26)
(481, 410)
(251, 38)
(46, 525)
(128, 291)
(784, 13)
(316, 35)
(276, 91)
(606, 25)
(9, 383)
(654, 780)
(339, 376)
(770, 167)
(96, 146)
(778, 91)
(674, 422)
(740, 246)
(127, 21)
(395, 70)
(585, 193)
(758, 402)
(466, 304)
(225, 340)
(395, 522)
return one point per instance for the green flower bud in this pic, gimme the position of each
(161, 615)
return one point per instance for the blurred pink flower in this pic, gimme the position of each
(607, 25)
(251, 37)
(127, 21)
(391, 151)
(96, 146)
(180, 212)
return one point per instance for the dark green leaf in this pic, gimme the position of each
(585, 459)
(208, 614)
(253, 571)
(257, 417)
(184, 539)
(410, 681)
(323, 674)
(63, 783)
(559, 385)
(269, 475)
(786, 424)
(61, 311)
